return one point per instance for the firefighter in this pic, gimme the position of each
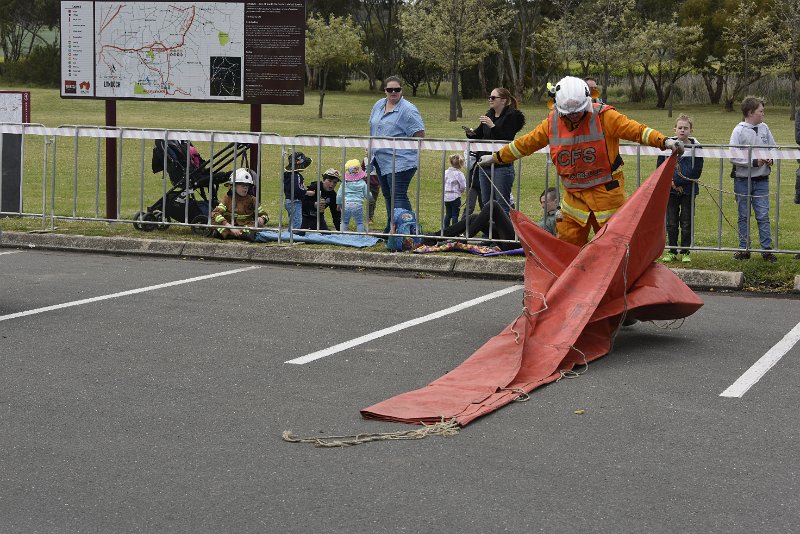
(584, 147)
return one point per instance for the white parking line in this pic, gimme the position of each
(402, 326)
(10, 252)
(764, 364)
(121, 294)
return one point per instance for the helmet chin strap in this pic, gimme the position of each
(574, 123)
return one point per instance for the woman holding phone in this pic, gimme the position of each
(500, 123)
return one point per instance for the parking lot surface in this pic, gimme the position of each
(143, 394)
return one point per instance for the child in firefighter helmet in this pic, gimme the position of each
(239, 208)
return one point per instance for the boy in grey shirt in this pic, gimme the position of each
(751, 178)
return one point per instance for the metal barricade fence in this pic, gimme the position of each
(73, 179)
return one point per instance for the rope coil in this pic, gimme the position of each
(442, 428)
(522, 395)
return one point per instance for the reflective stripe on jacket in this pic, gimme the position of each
(582, 216)
(246, 211)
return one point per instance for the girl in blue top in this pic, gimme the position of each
(352, 194)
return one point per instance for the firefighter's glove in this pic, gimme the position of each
(486, 161)
(675, 145)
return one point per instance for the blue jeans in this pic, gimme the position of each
(503, 182)
(353, 210)
(451, 209)
(295, 212)
(402, 180)
(758, 198)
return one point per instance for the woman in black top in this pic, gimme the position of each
(500, 123)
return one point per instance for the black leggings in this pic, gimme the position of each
(491, 213)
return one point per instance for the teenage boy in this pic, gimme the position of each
(751, 177)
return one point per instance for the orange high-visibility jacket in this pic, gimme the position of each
(615, 126)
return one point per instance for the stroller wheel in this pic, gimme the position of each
(137, 220)
(140, 224)
(199, 226)
(156, 216)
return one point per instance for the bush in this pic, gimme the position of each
(42, 67)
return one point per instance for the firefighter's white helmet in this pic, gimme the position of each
(242, 176)
(572, 96)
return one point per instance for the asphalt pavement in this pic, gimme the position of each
(149, 393)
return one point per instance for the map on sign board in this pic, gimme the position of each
(249, 51)
(15, 106)
(175, 50)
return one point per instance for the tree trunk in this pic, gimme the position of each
(713, 84)
(729, 103)
(323, 83)
(310, 77)
(482, 78)
(658, 85)
(501, 71)
(454, 90)
(633, 93)
(512, 67)
(460, 108)
(793, 71)
(533, 66)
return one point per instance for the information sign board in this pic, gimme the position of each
(250, 52)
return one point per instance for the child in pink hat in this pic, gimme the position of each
(352, 194)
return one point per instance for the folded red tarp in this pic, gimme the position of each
(574, 300)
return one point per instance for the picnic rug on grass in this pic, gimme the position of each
(347, 240)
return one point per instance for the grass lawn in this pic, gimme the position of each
(346, 113)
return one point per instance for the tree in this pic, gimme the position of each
(451, 34)
(331, 43)
(788, 46)
(378, 20)
(21, 22)
(544, 58)
(519, 45)
(610, 20)
(665, 58)
(710, 15)
(721, 58)
(748, 34)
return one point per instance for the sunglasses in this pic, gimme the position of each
(393, 89)
(493, 98)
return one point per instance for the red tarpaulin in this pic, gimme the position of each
(574, 300)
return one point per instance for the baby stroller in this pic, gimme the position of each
(181, 202)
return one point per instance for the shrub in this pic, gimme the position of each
(41, 67)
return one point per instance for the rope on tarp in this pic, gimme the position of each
(526, 293)
(522, 395)
(442, 428)
(572, 373)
